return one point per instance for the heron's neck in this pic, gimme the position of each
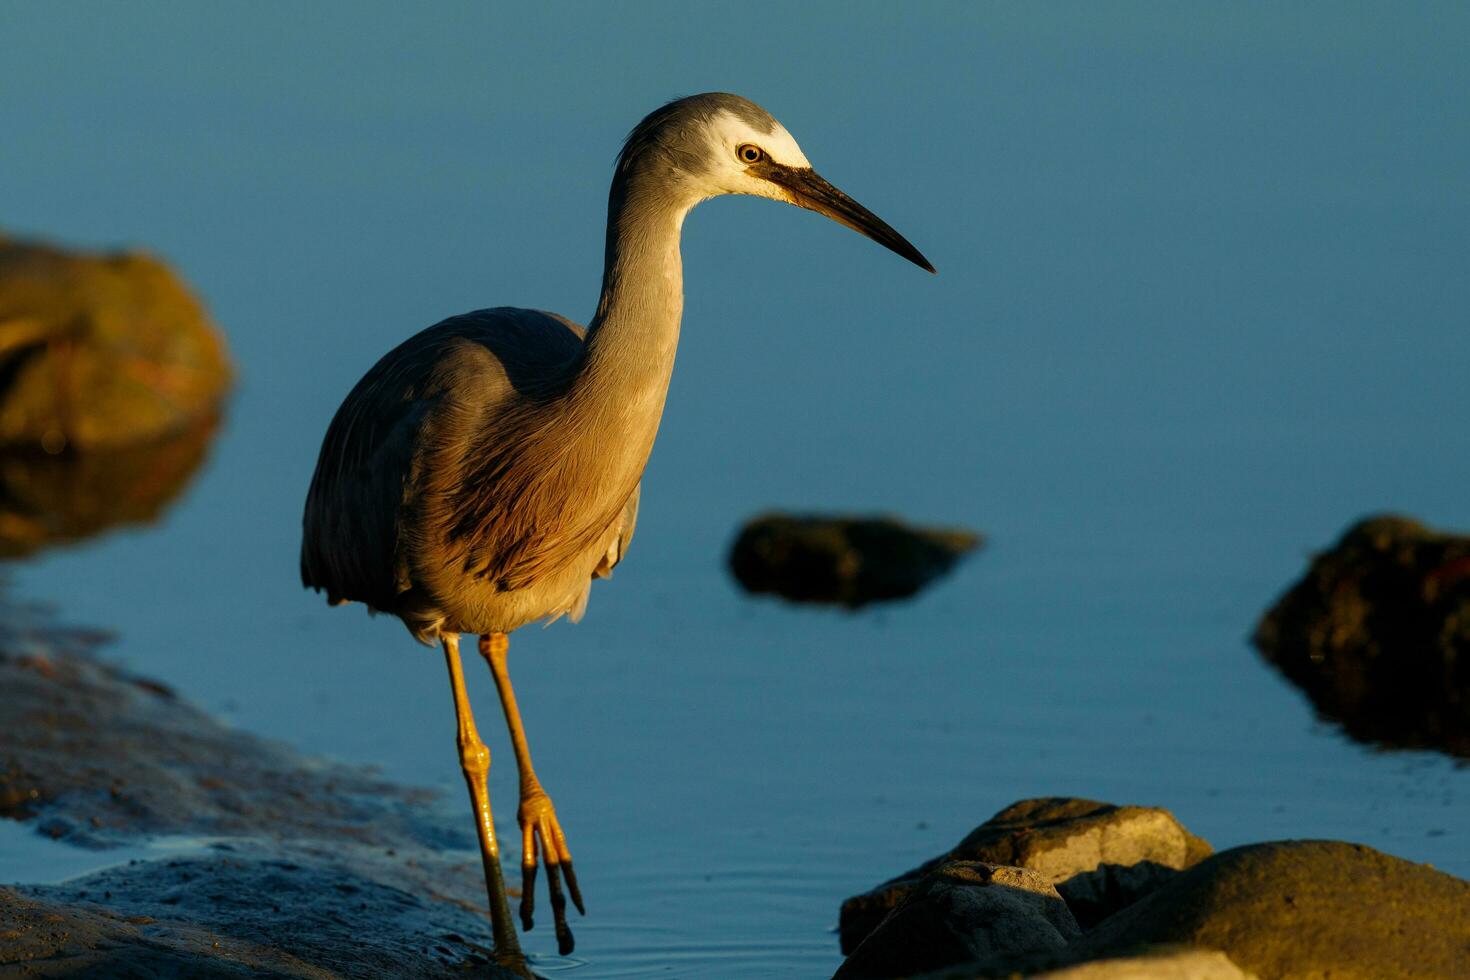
(631, 341)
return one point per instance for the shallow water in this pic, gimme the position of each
(1201, 303)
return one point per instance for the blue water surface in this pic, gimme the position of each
(1202, 302)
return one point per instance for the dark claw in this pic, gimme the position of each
(572, 887)
(528, 897)
(564, 941)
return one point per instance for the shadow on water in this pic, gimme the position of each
(48, 500)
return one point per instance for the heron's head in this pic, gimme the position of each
(716, 143)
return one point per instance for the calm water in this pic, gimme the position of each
(1201, 303)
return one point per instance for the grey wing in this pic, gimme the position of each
(352, 525)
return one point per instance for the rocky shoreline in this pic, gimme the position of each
(312, 869)
(300, 868)
(1069, 888)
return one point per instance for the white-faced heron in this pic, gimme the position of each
(487, 469)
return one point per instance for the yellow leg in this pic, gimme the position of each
(474, 759)
(536, 815)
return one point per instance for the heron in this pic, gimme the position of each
(485, 471)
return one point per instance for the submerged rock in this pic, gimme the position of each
(1377, 633)
(849, 561)
(1100, 857)
(963, 911)
(100, 351)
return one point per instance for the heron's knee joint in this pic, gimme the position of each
(474, 757)
(493, 646)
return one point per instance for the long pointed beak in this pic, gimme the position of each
(810, 190)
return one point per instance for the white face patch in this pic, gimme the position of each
(727, 132)
(778, 144)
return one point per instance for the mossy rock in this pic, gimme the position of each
(101, 351)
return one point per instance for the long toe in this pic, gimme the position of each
(542, 840)
(564, 941)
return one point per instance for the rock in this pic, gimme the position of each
(283, 866)
(1099, 856)
(843, 560)
(48, 500)
(1377, 633)
(100, 350)
(1167, 964)
(237, 915)
(101, 756)
(962, 911)
(1157, 963)
(1300, 909)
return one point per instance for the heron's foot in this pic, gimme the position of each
(541, 834)
(515, 962)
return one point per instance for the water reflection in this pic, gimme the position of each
(1377, 634)
(54, 499)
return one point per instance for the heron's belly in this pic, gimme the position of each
(479, 607)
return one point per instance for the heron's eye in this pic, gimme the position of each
(750, 153)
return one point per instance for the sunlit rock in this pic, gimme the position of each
(100, 351)
(962, 911)
(1303, 909)
(1288, 909)
(1162, 964)
(848, 561)
(1099, 856)
(1377, 633)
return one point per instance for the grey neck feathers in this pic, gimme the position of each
(631, 341)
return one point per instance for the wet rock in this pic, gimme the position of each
(1299, 909)
(294, 868)
(47, 500)
(1099, 856)
(236, 916)
(100, 350)
(962, 911)
(1377, 633)
(101, 756)
(843, 560)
